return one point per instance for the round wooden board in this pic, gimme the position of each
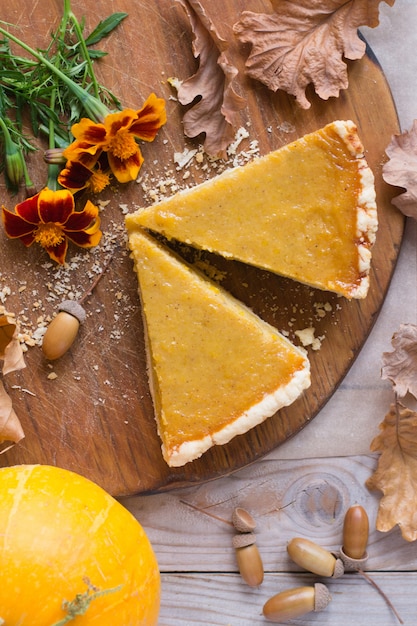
(94, 414)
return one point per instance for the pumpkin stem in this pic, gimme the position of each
(82, 601)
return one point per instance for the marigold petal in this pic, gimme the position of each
(85, 240)
(28, 239)
(82, 220)
(94, 228)
(15, 226)
(59, 252)
(55, 206)
(114, 122)
(126, 170)
(84, 152)
(149, 118)
(89, 131)
(29, 209)
(74, 176)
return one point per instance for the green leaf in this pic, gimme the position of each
(95, 54)
(104, 28)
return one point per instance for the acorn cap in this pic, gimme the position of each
(243, 521)
(353, 564)
(339, 568)
(74, 308)
(322, 597)
(244, 540)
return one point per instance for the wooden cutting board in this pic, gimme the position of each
(91, 411)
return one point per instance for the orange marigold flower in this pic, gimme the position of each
(117, 137)
(76, 176)
(50, 219)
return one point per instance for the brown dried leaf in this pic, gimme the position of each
(210, 91)
(12, 356)
(401, 170)
(304, 41)
(10, 427)
(396, 473)
(10, 348)
(400, 366)
(7, 330)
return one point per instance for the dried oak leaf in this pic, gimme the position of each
(304, 41)
(10, 426)
(12, 356)
(400, 365)
(11, 352)
(210, 91)
(401, 170)
(396, 473)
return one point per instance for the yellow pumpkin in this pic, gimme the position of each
(67, 545)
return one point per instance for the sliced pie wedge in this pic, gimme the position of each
(215, 368)
(306, 211)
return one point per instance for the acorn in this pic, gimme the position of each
(62, 331)
(296, 602)
(249, 560)
(355, 537)
(314, 558)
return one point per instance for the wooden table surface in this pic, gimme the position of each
(304, 487)
(101, 385)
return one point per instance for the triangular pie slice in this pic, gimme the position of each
(306, 211)
(215, 368)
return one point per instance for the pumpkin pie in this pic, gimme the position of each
(215, 368)
(306, 211)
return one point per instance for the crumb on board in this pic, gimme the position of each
(308, 338)
(322, 308)
(35, 310)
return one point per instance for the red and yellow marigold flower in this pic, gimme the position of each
(77, 176)
(50, 219)
(117, 136)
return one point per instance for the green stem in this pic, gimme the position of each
(8, 142)
(70, 16)
(51, 125)
(80, 604)
(29, 187)
(94, 108)
(53, 170)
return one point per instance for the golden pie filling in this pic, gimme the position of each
(306, 211)
(216, 369)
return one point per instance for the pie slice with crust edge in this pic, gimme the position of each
(306, 211)
(215, 368)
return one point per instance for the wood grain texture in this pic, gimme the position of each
(200, 581)
(223, 600)
(96, 417)
(192, 531)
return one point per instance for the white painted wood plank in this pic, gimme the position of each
(287, 498)
(223, 600)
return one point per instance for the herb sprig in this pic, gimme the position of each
(30, 92)
(89, 141)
